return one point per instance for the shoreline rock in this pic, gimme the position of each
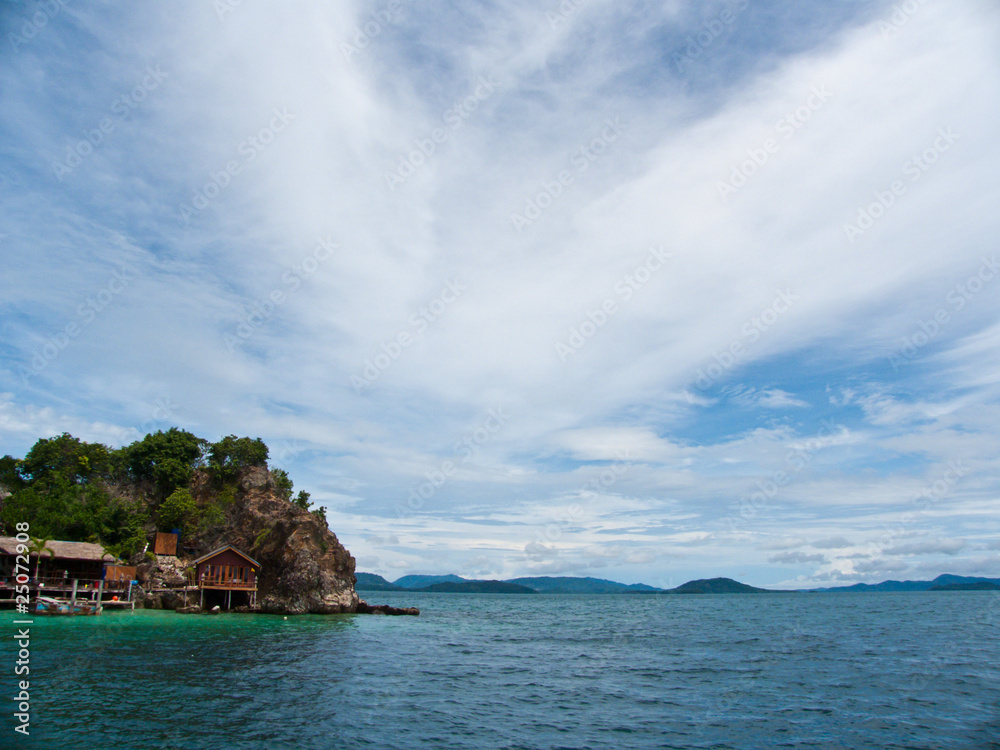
(364, 608)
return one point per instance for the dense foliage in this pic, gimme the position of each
(72, 490)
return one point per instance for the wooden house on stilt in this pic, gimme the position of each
(227, 578)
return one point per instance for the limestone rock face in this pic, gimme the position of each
(304, 567)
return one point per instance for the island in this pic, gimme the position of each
(188, 524)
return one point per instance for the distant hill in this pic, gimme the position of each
(372, 582)
(977, 586)
(717, 586)
(419, 582)
(945, 580)
(570, 585)
(575, 585)
(476, 587)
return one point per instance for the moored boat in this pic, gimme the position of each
(49, 605)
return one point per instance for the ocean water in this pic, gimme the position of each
(491, 671)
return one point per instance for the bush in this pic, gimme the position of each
(180, 511)
(64, 458)
(282, 482)
(231, 455)
(167, 459)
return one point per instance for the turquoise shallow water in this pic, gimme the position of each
(480, 671)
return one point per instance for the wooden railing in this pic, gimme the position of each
(226, 583)
(58, 582)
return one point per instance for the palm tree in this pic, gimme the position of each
(36, 547)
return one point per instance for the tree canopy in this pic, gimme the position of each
(168, 459)
(232, 454)
(72, 490)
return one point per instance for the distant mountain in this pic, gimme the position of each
(574, 585)
(570, 585)
(977, 586)
(945, 580)
(476, 587)
(717, 586)
(372, 582)
(419, 582)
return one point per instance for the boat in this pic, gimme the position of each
(50, 605)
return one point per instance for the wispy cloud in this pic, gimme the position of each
(212, 154)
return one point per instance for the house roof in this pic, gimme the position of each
(62, 550)
(210, 555)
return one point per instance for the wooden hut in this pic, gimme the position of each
(165, 544)
(227, 570)
(58, 562)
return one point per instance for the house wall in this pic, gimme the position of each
(228, 557)
(165, 544)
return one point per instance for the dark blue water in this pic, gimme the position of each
(479, 671)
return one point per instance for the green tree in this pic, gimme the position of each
(179, 511)
(320, 512)
(10, 474)
(122, 532)
(282, 482)
(302, 500)
(37, 546)
(47, 510)
(167, 459)
(231, 455)
(64, 457)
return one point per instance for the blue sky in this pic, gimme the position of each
(646, 291)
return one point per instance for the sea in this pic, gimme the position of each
(850, 670)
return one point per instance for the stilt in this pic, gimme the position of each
(72, 599)
(201, 598)
(100, 595)
(229, 599)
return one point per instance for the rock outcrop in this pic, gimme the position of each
(304, 567)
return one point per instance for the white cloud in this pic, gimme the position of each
(762, 288)
(928, 547)
(797, 558)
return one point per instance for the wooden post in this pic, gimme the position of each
(72, 600)
(100, 593)
(229, 599)
(201, 598)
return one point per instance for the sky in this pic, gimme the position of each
(646, 291)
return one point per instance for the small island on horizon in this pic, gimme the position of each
(585, 585)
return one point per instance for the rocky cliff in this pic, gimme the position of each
(304, 567)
